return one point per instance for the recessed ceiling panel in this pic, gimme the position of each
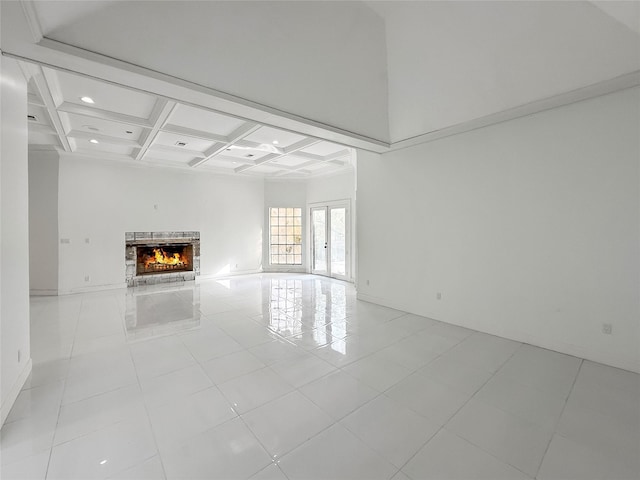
(216, 163)
(40, 114)
(104, 95)
(175, 140)
(268, 135)
(103, 127)
(323, 149)
(174, 157)
(204, 120)
(247, 154)
(265, 169)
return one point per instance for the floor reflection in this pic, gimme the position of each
(151, 313)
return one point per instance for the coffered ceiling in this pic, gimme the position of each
(84, 116)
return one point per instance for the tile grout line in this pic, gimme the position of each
(64, 389)
(557, 422)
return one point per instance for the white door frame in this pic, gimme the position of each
(327, 206)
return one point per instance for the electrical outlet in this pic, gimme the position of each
(236, 266)
(607, 328)
(19, 355)
(367, 283)
(439, 296)
(87, 240)
(87, 278)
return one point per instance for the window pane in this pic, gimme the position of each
(285, 235)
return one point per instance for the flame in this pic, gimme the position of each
(161, 257)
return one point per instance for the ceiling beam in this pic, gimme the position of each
(305, 143)
(159, 116)
(331, 158)
(190, 132)
(238, 134)
(93, 112)
(46, 89)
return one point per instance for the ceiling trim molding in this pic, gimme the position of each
(32, 19)
(190, 132)
(622, 82)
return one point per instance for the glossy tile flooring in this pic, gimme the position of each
(290, 377)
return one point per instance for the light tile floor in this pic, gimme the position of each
(289, 376)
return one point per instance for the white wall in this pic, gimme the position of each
(529, 229)
(285, 193)
(332, 188)
(14, 249)
(43, 223)
(451, 62)
(100, 201)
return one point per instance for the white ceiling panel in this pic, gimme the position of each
(204, 120)
(103, 127)
(41, 114)
(172, 140)
(216, 163)
(265, 169)
(175, 157)
(245, 154)
(267, 135)
(105, 95)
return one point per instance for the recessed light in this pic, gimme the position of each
(181, 144)
(129, 132)
(32, 118)
(87, 100)
(92, 128)
(275, 142)
(93, 140)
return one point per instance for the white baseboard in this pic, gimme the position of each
(7, 403)
(96, 288)
(612, 359)
(35, 292)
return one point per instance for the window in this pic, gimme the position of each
(285, 236)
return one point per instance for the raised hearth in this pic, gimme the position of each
(157, 257)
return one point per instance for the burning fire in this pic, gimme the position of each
(161, 257)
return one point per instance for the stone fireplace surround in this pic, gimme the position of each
(133, 240)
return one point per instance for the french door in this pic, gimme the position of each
(330, 240)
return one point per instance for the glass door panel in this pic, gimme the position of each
(319, 241)
(338, 244)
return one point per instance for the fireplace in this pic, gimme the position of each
(157, 257)
(164, 258)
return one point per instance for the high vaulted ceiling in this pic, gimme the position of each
(127, 125)
(368, 74)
